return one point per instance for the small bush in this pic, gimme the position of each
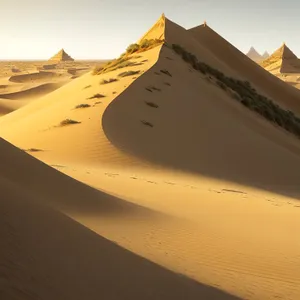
(132, 48)
(87, 87)
(97, 70)
(33, 150)
(97, 96)
(152, 88)
(128, 73)
(83, 105)
(104, 81)
(68, 122)
(167, 83)
(151, 104)
(166, 72)
(146, 123)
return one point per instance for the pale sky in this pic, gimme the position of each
(100, 29)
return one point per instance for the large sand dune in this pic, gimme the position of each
(285, 95)
(178, 173)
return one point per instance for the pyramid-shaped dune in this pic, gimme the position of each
(61, 56)
(254, 55)
(196, 181)
(283, 60)
(265, 55)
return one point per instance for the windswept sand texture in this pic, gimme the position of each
(181, 179)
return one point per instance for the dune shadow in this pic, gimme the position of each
(72, 262)
(59, 190)
(204, 136)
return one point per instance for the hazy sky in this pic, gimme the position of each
(37, 29)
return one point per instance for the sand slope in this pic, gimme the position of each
(46, 255)
(283, 94)
(208, 190)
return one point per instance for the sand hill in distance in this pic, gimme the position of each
(171, 172)
(255, 56)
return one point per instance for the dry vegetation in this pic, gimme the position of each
(68, 122)
(33, 150)
(151, 104)
(110, 80)
(97, 96)
(243, 92)
(166, 72)
(128, 73)
(83, 105)
(124, 60)
(146, 123)
(143, 46)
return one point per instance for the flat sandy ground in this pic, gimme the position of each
(163, 188)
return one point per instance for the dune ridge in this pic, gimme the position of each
(267, 84)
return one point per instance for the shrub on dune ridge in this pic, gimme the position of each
(131, 49)
(243, 92)
(128, 73)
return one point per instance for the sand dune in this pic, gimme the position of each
(245, 68)
(31, 272)
(33, 92)
(7, 106)
(32, 77)
(177, 172)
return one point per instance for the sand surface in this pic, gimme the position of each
(203, 204)
(24, 81)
